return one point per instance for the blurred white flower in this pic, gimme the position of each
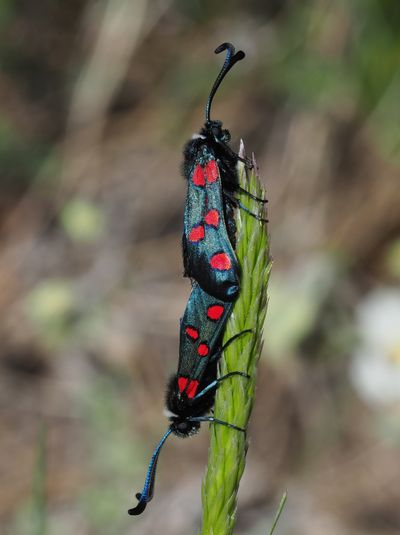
(375, 367)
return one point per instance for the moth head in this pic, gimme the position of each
(226, 136)
(215, 130)
(183, 427)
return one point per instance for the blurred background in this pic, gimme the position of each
(97, 100)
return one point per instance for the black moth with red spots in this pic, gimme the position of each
(191, 391)
(201, 330)
(210, 168)
(210, 261)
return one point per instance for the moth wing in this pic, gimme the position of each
(209, 257)
(201, 330)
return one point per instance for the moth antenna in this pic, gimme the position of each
(230, 60)
(148, 489)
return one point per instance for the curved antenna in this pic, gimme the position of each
(230, 60)
(148, 489)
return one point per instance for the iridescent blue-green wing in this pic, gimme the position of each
(209, 257)
(201, 332)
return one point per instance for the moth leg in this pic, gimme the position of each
(217, 355)
(259, 218)
(234, 337)
(216, 421)
(254, 197)
(215, 383)
(238, 204)
(247, 161)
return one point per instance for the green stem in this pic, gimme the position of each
(235, 396)
(282, 504)
(39, 485)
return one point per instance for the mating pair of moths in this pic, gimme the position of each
(209, 167)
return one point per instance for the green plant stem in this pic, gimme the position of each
(39, 505)
(235, 396)
(282, 504)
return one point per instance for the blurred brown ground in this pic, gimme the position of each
(97, 99)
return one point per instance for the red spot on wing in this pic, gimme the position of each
(214, 312)
(192, 333)
(196, 234)
(221, 262)
(212, 172)
(182, 382)
(192, 389)
(198, 177)
(203, 350)
(212, 218)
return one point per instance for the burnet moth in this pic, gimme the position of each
(210, 261)
(210, 168)
(191, 392)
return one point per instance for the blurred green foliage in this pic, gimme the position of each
(39, 499)
(115, 458)
(82, 220)
(392, 258)
(20, 157)
(295, 309)
(50, 306)
(6, 11)
(32, 517)
(342, 58)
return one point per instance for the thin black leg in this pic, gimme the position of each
(254, 197)
(215, 383)
(247, 161)
(238, 204)
(217, 355)
(235, 337)
(216, 421)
